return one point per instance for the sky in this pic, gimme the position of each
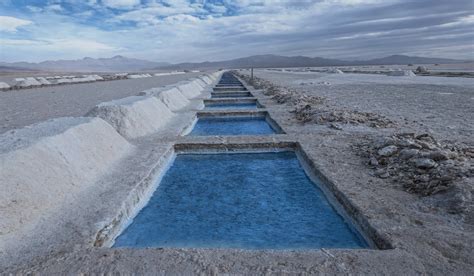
(199, 30)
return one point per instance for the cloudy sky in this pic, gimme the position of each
(198, 30)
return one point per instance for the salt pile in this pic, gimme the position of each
(27, 82)
(45, 166)
(334, 71)
(4, 85)
(43, 81)
(134, 116)
(401, 73)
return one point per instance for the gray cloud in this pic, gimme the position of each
(330, 28)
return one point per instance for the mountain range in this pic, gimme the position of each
(269, 61)
(87, 64)
(124, 64)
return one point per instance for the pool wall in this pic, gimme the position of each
(136, 200)
(141, 195)
(235, 94)
(341, 203)
(241, 100)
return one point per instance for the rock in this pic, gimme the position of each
(438, 155)
(335, 126)
(373, 161)
(424, 135)
(387, 151)
(425, 163)
(382, 173)
(385, 175)
(408, 143)
(381, 142)
(408, 153)
(427, 145)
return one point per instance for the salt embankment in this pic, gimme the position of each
(46, 165)
(134, 116)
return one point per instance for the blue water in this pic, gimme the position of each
(254, 201)
(231, 126)
(232, 106)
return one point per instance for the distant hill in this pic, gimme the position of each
(261, 61)
(124, 64)
(265, 61)
(403, 60)
(87, 64)
(14, 69)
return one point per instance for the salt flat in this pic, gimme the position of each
(19, 108)
(416, 229)
(441, 105)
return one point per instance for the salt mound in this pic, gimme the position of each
(44, 166)
(169, 73)
(173, 99)
(401, 73)
(153, 91)
(27, 82)
(206, 79)
(60, 81)
(134, 116)
(98, 78)
(4, 85)
(200, 82)
(43, 80)
(84, 79)
(190, 89)
(170, 95)
(334, 71)
(421, 69)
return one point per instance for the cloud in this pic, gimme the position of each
(34, 9)
(19, 42)
(219, 9)
(120, 4)
(54, 8)
(81, 45)
(11, 24)
(197, 30)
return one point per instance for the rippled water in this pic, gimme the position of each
(254, 201)
(232, 126)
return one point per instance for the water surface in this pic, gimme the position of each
(232, 126)
(253, 201)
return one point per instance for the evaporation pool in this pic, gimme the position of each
(231, 106)
(232, 126)
(240, 200)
